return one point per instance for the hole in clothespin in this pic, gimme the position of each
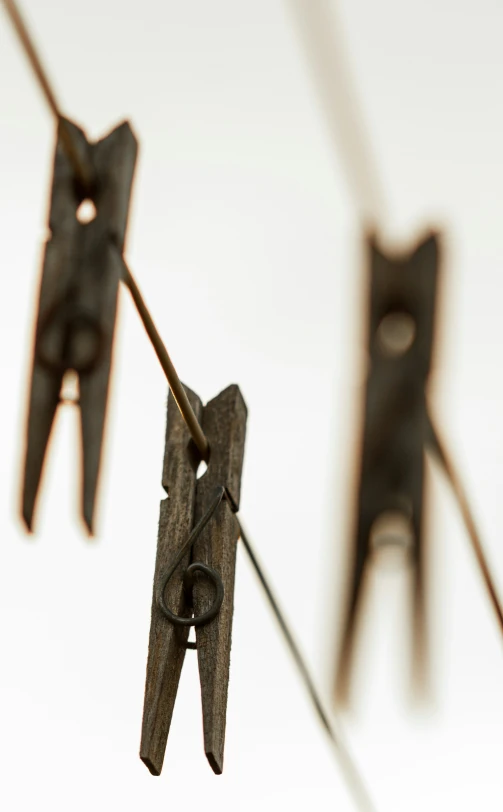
(396, 333)
(86, 212)
(191, 642)
(69, 392)
(201, 469)
(199, 465)
(392, 538)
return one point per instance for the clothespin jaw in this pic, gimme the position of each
(195, 572)
(78, 302)
(402, 301)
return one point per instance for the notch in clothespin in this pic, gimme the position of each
(78, 299)
(194, 572)
(402, 302)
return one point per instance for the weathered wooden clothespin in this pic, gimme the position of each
(403, 292)
(78, 301)
(194, 572)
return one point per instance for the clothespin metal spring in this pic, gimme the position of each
(197, 566)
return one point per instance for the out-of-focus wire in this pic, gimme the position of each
(324, 46)
(440, 451)
(341, 751)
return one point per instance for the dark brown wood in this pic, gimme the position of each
(395, 426)
(224, 423)
(167, 644)
(77, 303)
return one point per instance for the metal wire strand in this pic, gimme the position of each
(29, 48)
(439, 449)
(329, 63)
(84, 175)
(82, 171)
(344, 758)
(169, 370)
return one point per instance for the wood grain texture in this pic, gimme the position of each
(224, 423)
(77, 303)
(98, 280)
(167, 642)
(394, 431)
(57, 270)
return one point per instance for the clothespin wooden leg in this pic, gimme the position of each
(355, 598)
(224, 423)
(418, 552)
(167, 644)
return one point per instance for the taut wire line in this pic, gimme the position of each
(350, 770)
(439, 450)
(329, 63)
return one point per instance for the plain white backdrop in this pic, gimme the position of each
(244, 239)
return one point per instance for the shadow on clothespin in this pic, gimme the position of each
(78, 299)
(402, 301)
(194, 572)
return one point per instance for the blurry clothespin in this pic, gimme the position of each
(78, 299)
(194, 572)
(402, 300)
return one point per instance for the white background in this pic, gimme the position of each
(244, 239)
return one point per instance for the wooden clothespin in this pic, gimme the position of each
(403, 293)
(78, 301)
(194, 572)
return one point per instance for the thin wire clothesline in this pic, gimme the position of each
(84, 175)
(324, 50)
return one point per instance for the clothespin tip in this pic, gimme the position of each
(27, 521)
(27, 510)
(153, 769)
(88, 516)
(89, 526)
(215, 758)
